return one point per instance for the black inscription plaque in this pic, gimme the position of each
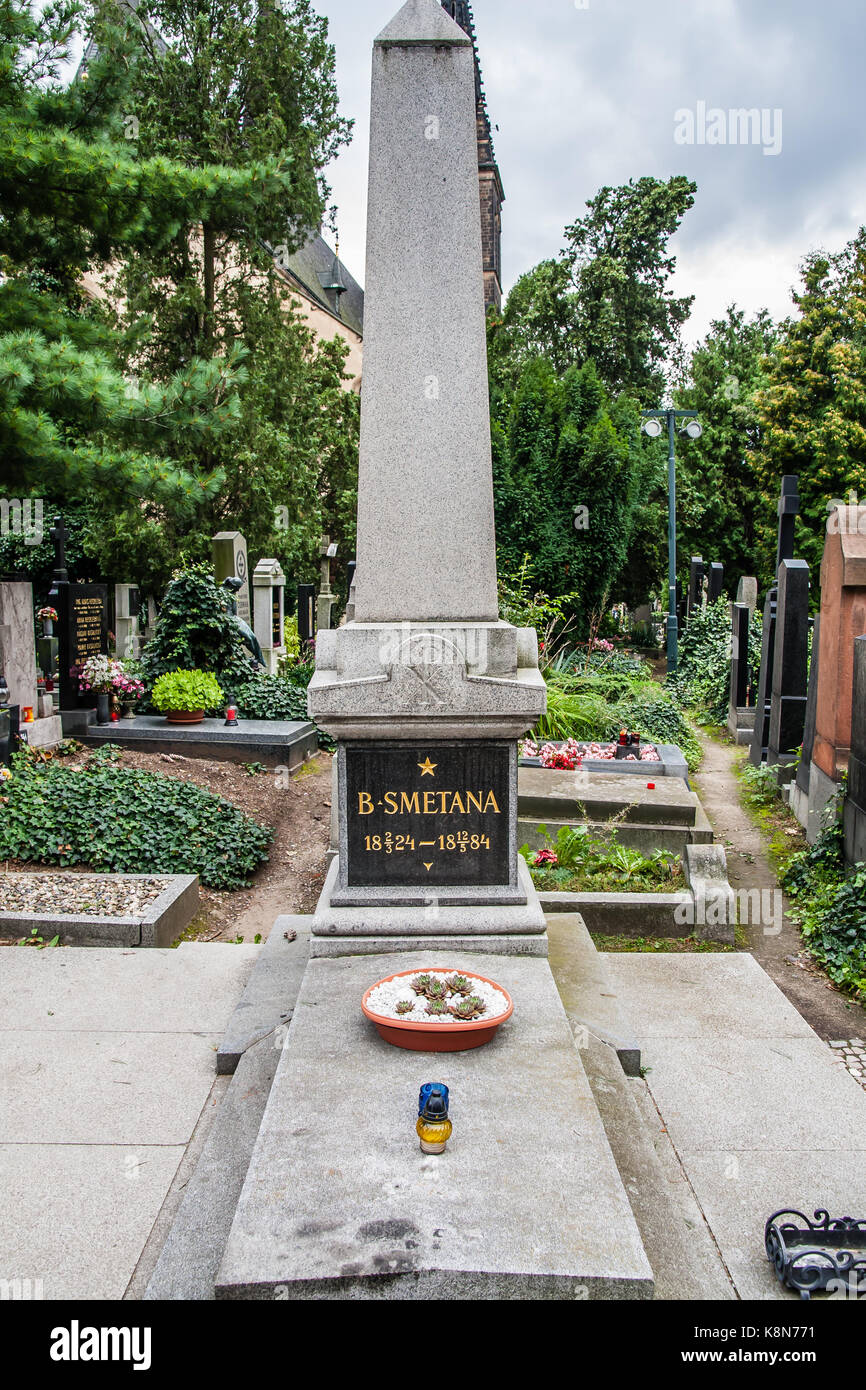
(83, 632)
(436, 815)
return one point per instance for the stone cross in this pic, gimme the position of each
(60, 536)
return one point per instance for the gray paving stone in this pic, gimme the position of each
(526, 1202)
(736, 1094)
(77, 1216)
(740, 1191)
(193, 988)
(104, 1088)
(705, 995)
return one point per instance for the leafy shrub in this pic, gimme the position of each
(196, 632)
(703, 677)
(264, 696)
(187, 690)
(119, 820)
(831, 908)
(598, 704)
(761, 785)
(580, 861)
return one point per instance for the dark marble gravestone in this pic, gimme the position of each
(788, 507)
(790, 663)
(855, 800)
(433, 816)
(697, 570)
(805, 766)
(82, 632)
(716, 583)
(740, 674)
(306, 612)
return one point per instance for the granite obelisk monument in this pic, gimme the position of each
(426, 690)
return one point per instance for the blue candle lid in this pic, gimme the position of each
(425, 1092)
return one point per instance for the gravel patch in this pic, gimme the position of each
(78, 895)
(385, 997)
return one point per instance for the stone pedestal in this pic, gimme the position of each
(855, 802)
(269, 589)
(790, 665)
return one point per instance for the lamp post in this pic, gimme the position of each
(652, 426)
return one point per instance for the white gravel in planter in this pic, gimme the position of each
(78, 895)
(384, 999)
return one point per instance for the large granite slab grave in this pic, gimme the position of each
(287, 742)
(340, 1203)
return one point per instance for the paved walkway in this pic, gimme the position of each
(743, 1100)
(108, 1066)
(777, 945)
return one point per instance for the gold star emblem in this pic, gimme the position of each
(427, 767)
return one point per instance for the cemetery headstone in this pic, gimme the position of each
(788, 507)
(741, 708)
(790, 664)
(747, 592)
(843, 618)
(327, 598)
(716, 585)
(127, 606)
(855, 801)
(799, 795)
(697, 570)
(306, 612)
(229, 550)
(18, 665)
(269, 590)
(426, 691)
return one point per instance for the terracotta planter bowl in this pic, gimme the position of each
(181, 716)
(437, 1037)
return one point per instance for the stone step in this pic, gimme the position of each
(586, 989)
(339, 1202)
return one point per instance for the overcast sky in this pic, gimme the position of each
(592, 92)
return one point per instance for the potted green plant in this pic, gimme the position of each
(183, 696)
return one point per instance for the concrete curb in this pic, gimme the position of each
(269, 998)
(160, 924)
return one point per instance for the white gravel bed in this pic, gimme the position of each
(78, 895)
(385, 997)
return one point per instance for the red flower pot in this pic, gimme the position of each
(437, 1037)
